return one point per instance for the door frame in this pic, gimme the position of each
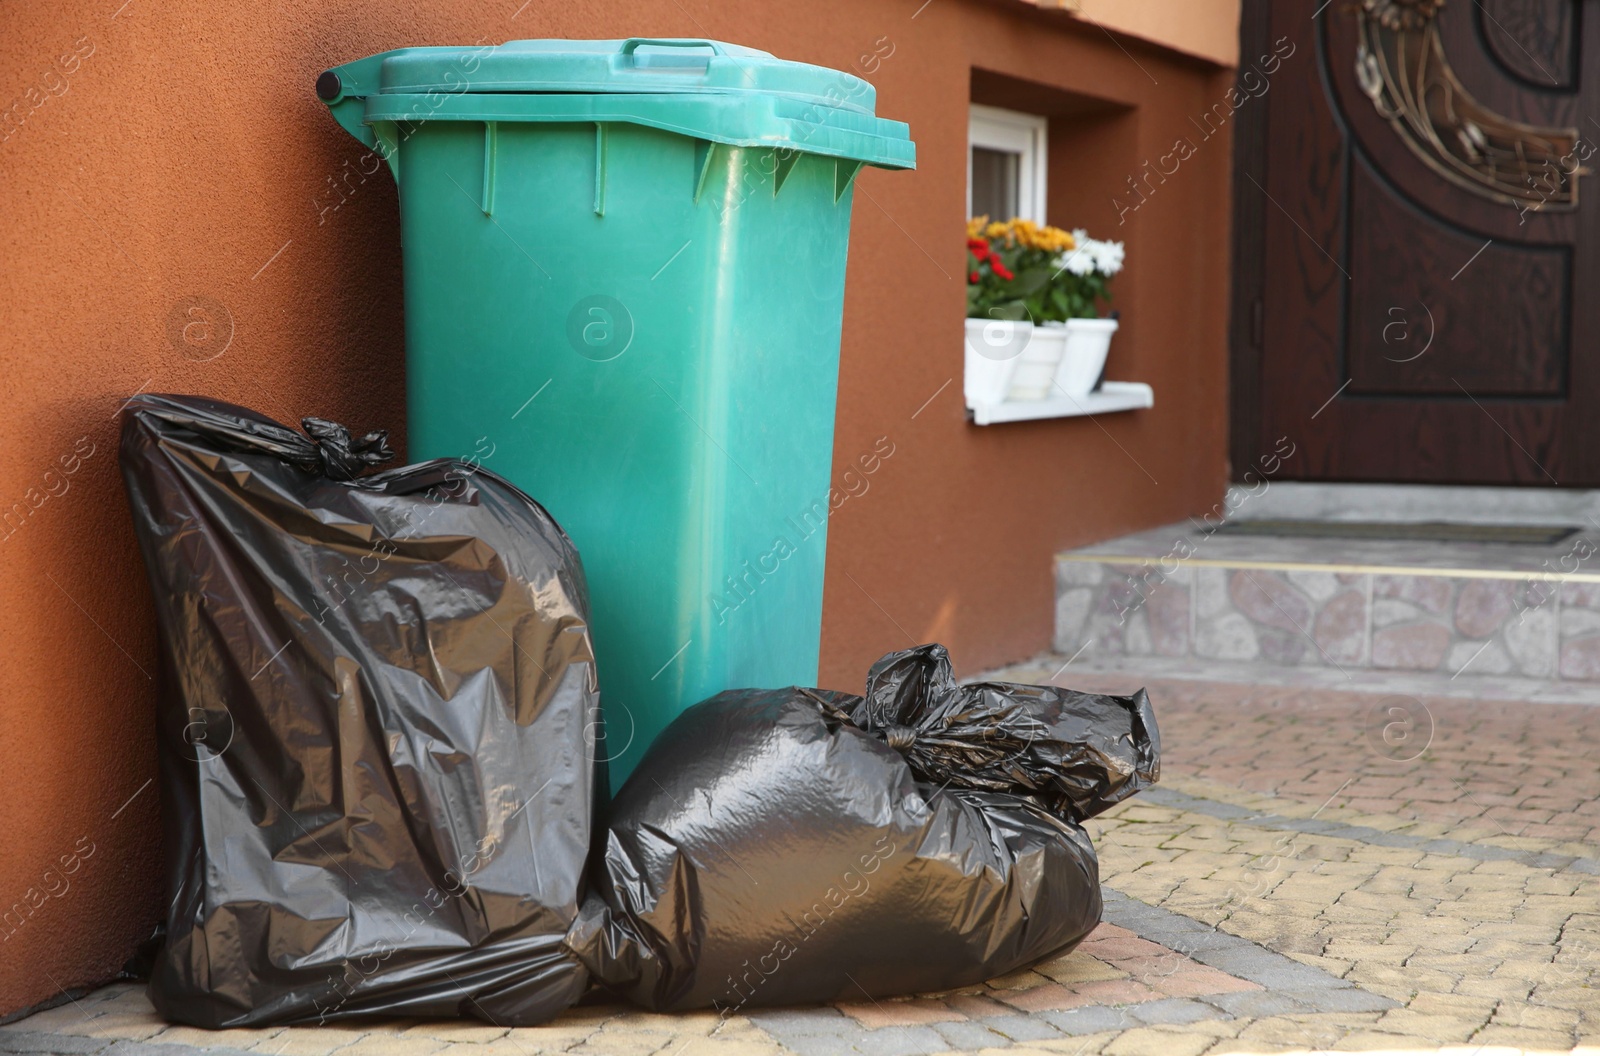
(1249, 243)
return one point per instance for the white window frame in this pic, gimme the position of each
(1019, 133)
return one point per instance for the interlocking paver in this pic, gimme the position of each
(826, 1020)
(1172, 1011)
(391, 1045)
(1079, 969)
(874, 1014)
(502, 1047)
(969, 1035)
(30, 1041)
(1523, 1038)
(129, 1048)
(1203, 982)
(456, 1031)
(900, 1041)
(238, 1039)
(815, 1045)
(303, 1041)
(1091, 1020)
(977, 1007)
(731, 1047)
(1148, 1041)
(119, 1026)
(1023, 1028)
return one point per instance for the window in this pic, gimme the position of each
(1006, 164)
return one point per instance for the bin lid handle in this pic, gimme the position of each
(633, 44)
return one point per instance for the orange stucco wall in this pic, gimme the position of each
(172, 155)
(1207, 28)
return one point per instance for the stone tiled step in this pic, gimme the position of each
(1413, 503)
(1454, 609)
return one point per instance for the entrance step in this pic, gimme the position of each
(1460, 610)
(1416, 503)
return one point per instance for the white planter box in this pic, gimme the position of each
(993, 347)
(1004, 372)
(1038, 362)
(1008, 360)
(1018, 371)
(1087, 344)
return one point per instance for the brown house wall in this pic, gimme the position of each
(175, 150)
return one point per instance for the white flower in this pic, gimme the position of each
(1107, 257)
(1092, 255)
(1079, 261)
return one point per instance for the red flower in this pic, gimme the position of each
(1001, 270)
(973, 278)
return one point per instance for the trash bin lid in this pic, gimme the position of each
(636, 66)
(705, 88)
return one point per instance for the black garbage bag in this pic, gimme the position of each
(793, 846)
(376, 717)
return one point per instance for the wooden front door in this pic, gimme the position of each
(1417, 253)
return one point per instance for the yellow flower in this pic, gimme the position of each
(1058, 241)
(1019, 231)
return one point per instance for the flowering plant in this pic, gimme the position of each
(1022, 270)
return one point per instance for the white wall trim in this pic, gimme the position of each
(1019, 133)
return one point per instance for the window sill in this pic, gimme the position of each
(1113, 396)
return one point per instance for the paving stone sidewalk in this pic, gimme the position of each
(1320, 870)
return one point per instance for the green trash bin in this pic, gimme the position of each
(624, 278)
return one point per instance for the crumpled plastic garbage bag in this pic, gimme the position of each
(791, 846)
(377, 715)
